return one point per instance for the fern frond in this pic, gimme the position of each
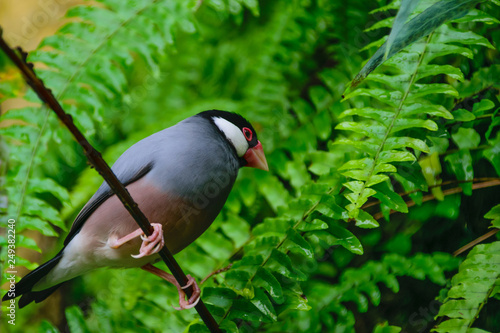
(477, 280)
(421, 23)
(405, 102)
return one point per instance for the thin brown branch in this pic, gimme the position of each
(475, 242)
(449, 182)
(488, 183)
(220, 270)
(95, 159)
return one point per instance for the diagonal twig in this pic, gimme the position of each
(475, 242)
(96, 160)
(475, 186)
(218, 271)
(448, 182)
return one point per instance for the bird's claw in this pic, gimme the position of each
(151, 244)
(183, 303)
(193, 300)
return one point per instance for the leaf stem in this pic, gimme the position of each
(485, 300)
(393, 121)
(24, 186)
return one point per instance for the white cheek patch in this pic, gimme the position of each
(233, 134)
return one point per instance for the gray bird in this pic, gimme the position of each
(180, 177)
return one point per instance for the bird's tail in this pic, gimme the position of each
(23, 287)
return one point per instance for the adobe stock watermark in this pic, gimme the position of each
(10, 272)
(419, 320)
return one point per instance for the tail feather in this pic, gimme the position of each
(23, 287)
(36, 296)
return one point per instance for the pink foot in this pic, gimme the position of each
(150, 245)
(183, 304)
(195, 297)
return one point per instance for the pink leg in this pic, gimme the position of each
(195, 297)
(150, 245)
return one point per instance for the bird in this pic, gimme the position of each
(180, 177)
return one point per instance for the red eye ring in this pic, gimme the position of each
(247, 132)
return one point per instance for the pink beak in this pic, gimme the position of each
(255, 157)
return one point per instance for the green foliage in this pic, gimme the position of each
(309, 244)
(477, 280)
(362, 287)
(406, 104)
(494, 214)
(403, 34)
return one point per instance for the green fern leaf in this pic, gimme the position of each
(418, 27)
(471, 288)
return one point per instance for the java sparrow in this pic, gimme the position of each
(180, 177)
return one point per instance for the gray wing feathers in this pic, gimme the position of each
(134, 164)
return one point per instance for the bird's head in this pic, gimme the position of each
(241, 136)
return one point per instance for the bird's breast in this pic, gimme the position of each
(184, 218)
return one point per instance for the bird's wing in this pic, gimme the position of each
(127, 173)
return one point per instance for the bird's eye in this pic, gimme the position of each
(247, 132)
